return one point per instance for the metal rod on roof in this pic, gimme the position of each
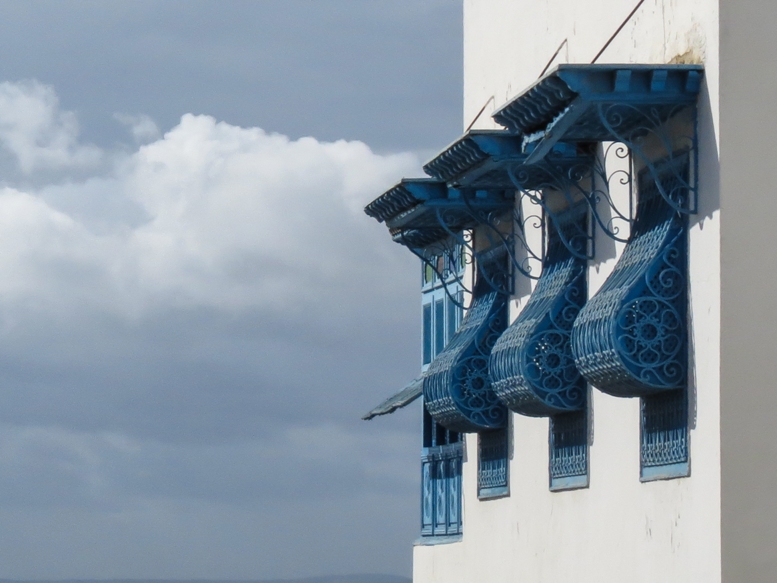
(482, 109)
(620, 28)
(558, 50)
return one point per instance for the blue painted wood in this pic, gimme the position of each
(441, 490)
(427, 497)
(427, 333)
(453, 478)
(569, 90)
(440, 496)
(420, 212)
(532, 368)
(480, 160)
(439, 325)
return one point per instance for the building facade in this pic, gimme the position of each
(600, 239)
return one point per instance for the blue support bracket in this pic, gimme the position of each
(434, 221)
(651, 109)
(489, 160)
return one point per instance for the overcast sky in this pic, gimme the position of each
(194, 311)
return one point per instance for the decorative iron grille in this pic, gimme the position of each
(630, 339)
(569, 450)
(441, 490)
(664, 435)
(493, 455)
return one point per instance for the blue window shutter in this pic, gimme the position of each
(454, 494)
(427, 497)
(439, 326)
(453, 319)
(427, 341)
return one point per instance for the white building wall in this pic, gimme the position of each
(619, 529)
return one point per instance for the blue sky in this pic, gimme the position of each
(194, 311)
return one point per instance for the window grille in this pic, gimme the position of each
(569, 450)
(442, 453)
(440, 480)
(493, 462)
(664, 435)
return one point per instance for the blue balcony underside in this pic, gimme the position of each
(630, 339)
(457, 386)
(595, 103)
(532, 368)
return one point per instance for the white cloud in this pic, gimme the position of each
(37, 133)
(141, 126)
(210, 214)
(196, 330)
(211, 222)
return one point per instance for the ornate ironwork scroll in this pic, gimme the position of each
(457, 386)
(440, 226)
(664, 133)
(592, 180)
(630, 339)
(532, 368)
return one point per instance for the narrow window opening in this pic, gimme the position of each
(493, 463)
(569, 450)
(664, 436)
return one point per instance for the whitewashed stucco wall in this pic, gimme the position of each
(619, 529)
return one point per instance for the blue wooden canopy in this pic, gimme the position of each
(422, 211)
(494, 160)
(595, 103)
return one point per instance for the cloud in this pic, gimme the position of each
(141, 126)
(37, 133)
(222, 216)
(193, 328)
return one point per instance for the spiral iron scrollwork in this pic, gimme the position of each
(646, 128)
(457, 386)
(531, 365)
(630, 339)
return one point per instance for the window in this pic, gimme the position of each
(664, 435)
(569, 450)
(442, 452)
(441, 301)
(493, 462)
(440, 480)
